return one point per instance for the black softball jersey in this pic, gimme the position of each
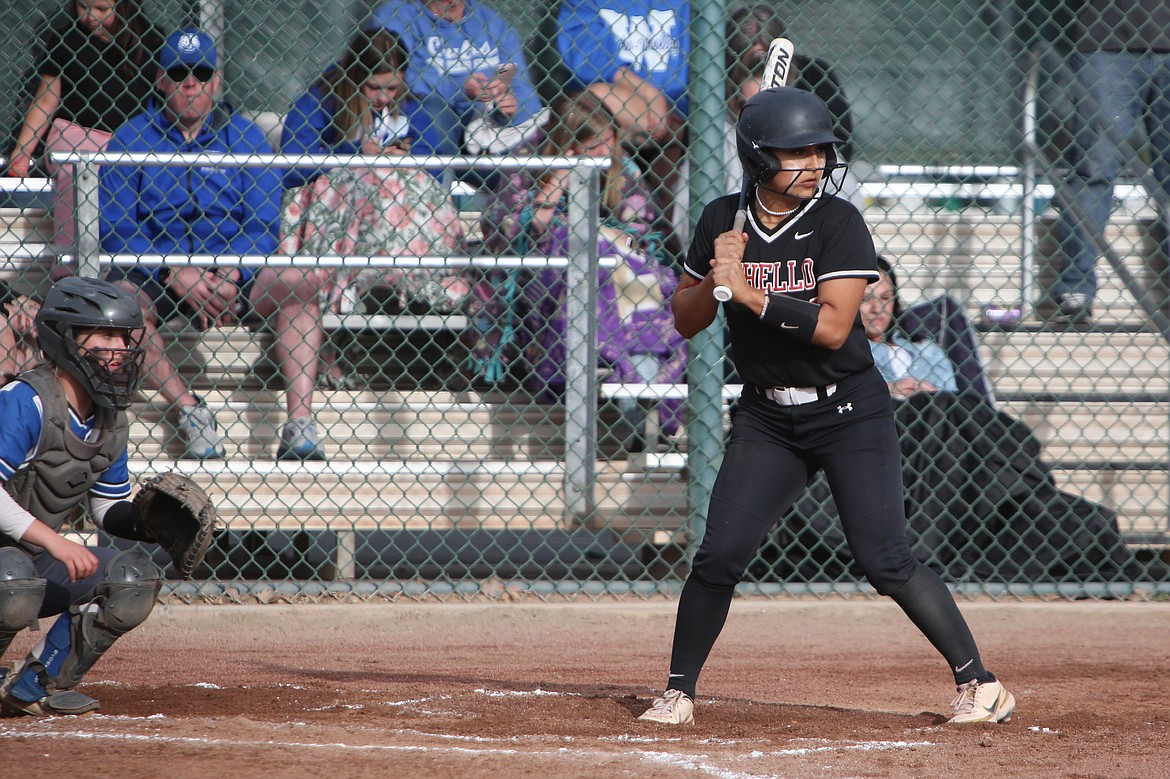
(827, 239)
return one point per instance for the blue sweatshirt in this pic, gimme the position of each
(650, 37)
(152, 209)
(308, 129)
(443, 55)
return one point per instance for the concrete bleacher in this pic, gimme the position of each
(26, 256)
(420, 450)
(1099, 398)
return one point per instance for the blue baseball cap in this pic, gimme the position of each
(187, 48)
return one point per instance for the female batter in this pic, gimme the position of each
(812, 398)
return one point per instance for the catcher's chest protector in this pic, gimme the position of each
(65, 468)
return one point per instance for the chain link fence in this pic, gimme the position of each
(482, 343)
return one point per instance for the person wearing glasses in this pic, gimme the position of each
(94, 70)
(208, 209)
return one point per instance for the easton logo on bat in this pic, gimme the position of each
(777, 63)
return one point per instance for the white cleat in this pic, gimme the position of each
(674, 708)
(987, 702)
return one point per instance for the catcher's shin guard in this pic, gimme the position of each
(83, 634)
(21, 593)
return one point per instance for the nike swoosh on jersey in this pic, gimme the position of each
(802, 236)
(786, 326)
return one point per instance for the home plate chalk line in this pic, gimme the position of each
(704, 763)
(649, 749)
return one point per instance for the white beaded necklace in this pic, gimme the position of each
(770, 212)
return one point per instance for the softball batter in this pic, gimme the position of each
(812, 397)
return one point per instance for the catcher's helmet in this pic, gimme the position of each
(76, 304)
(782, 118)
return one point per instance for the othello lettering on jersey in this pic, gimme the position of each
(783, 276)
(825, 239)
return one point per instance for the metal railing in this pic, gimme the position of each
(581, 265)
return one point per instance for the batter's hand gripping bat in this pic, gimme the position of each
(777, 66)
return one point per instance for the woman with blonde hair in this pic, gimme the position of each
(522, 314)
(359, 106)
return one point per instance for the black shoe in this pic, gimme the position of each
(1076, 307)
(64, 702)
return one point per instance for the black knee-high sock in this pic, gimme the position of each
(702, 611)
(931, 607)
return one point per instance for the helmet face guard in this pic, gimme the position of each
(785, 118)
(112, 375)
(76, 305)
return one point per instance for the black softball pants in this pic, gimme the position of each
(772, 454)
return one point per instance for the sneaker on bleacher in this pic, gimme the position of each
(1076, 307)
(299, 441)
(199, 428)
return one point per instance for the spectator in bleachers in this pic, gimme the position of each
(907, 364)
(750, 29)
(524, 315)
(465, 63)
(94, 70)
(633, 55)
(212, 210)
(18, 339)
(353, 108)
(356, 108)
(980, 501)
(1122, 70)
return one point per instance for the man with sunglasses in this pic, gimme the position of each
(208, 209)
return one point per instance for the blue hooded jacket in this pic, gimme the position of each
(152, 209)
(650, 37)
(443, 54)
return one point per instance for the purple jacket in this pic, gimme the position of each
(634, 316)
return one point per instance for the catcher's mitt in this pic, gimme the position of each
(180, 517)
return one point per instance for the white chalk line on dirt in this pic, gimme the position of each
(689, 761)
(702, 763)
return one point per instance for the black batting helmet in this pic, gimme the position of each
(782, 118)
(76, 304)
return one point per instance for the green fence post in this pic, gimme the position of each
(705, 395)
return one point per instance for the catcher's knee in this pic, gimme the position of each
(128, 593)
(21, 590)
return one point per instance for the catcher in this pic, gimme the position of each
(64, 440)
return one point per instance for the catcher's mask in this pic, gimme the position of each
(785, 118)
(76, 305)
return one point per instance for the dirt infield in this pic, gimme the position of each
(793, 689)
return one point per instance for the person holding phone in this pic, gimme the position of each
(357, 108)
(464, 57)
